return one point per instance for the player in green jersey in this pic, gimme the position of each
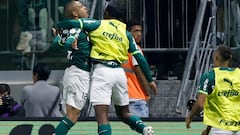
(76, 78)
(219, 96)
(110, 46)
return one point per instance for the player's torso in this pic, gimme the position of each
(78, 57)
(110, 41)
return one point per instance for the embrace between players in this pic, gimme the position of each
(103, 54)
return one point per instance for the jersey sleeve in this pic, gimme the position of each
(206, 83)
(134, 61)
(69, 23)
(89, 24)
(86, 24)
(55, 44)
(133, 48)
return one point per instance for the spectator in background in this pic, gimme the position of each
(41, 99)
(9, 107)
(134, 26)
(137, 83)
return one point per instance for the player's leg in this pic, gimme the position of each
(75, 92)
(133, 121)
(121, 101)
(100, 95)
(101, 112)
(67, 122)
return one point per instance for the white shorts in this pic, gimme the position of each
(75, 87)
(107, 83)
(217, 131)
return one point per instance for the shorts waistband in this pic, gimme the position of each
(109, 63)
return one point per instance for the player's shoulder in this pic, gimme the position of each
(208, 75)
(89, 24)
(129, 33)
(89, 20)
(67, 24)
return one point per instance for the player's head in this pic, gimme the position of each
(75, 10)
(222, 56)
(114, 11)
(134, 26)
(41, 72)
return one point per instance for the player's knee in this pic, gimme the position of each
(122, 112)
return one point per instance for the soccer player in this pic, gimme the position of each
(219, 96)
(76, 78)
(110, 45)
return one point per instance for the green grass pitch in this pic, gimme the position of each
(118, 128)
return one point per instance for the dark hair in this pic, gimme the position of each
(132, 22)
(4, 88)
(115, 10)
(42, 70)
(225, 52)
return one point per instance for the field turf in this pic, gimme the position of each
(118, 128)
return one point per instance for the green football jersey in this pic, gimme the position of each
(207, 81)
(89, 25)
(66, 36)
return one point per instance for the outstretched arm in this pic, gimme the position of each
(197, 107)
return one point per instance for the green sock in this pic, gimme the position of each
(63, 126)
(104, 129)
(136, 123)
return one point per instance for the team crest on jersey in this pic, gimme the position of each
(65, 33)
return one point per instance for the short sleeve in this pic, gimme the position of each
(207, 83)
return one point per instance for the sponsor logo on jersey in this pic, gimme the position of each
(112, 36)
(229, 123)
(228, 93)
